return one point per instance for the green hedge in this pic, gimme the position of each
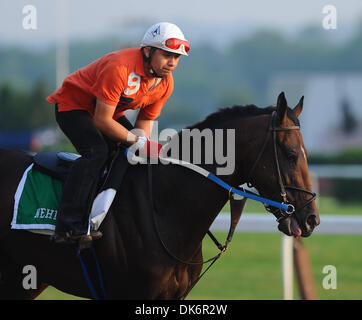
(347, 156)
(345, 190)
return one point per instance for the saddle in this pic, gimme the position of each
(58, 164)
(55, 164)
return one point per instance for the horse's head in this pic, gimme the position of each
(281, 172)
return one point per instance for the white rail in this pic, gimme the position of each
(266, 223)
(350, 171)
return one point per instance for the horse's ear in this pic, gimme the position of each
(299, 107)
(281, 107)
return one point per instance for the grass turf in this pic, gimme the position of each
(251, 268)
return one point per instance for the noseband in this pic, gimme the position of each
(272, 131)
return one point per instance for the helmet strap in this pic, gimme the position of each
(148, 60)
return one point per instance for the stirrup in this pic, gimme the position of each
(96, 234)
(85, 241)
(62, 239)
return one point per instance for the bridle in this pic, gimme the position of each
(272, 131)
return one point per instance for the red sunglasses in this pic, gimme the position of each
(175, 44)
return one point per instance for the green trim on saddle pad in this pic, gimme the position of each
(37, 200)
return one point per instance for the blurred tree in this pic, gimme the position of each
(178, 114)
(22, 110)
(349, 122)
(12, 109)
(237, 96)
(41, 113)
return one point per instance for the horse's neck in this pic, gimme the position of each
(197, 199)
(188, 202)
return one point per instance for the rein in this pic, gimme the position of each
(236, 208)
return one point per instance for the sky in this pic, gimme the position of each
(201, 20)
(214, 22)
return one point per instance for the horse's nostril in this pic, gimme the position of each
(312, 220)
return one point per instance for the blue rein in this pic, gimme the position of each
(87, 277)
(288, 208)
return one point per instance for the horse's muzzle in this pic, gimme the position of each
(292, 227)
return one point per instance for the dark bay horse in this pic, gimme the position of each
(133, 262)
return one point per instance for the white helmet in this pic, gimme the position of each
(166, 36)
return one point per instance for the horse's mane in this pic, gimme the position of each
(237, 111)
(230, 113)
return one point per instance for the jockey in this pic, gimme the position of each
(89, 108)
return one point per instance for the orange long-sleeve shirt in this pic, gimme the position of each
(118, 79)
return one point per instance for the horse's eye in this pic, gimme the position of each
(292, 157)
(289, 154)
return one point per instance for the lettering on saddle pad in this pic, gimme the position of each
(45, 213)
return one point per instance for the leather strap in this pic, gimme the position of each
(236, 209)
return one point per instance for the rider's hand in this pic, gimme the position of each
(148, 147)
